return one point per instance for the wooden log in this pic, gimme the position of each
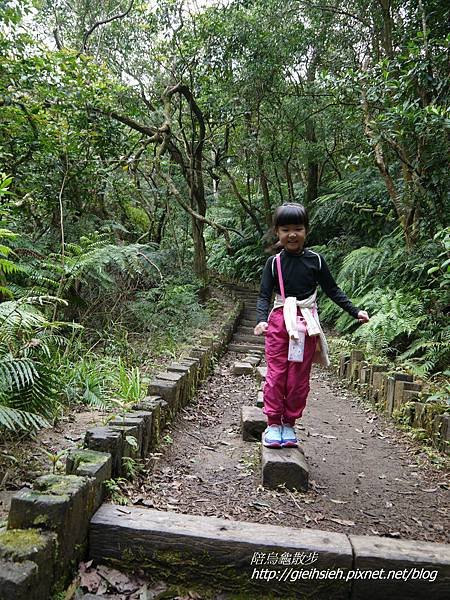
(261, 373)
(169, 390)
(159, 409)
(260, 400)
(147, 418)
(216, 551)
(19, 581)
(401, 389)
(444, 434)
(252, 359)
(62, 504)
(253, 423)
(410, 560)
(137, 431)
(390, 389)
(284, 466)
(419, 408)
(356, 356)
(105, 439)
(243, 348)
(248, 323)
(88, 463)
(181, 380)
(242, 368)
(343, 362)
(377, 385)
(131, 449)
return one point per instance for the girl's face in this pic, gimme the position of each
(292, 237)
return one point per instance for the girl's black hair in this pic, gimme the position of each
(291, 213)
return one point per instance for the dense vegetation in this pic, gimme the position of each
(143, 142)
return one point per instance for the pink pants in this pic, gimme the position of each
(287, 382)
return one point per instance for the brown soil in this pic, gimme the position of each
(366, 477)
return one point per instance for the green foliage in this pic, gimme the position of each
(28, 383)
(405, 297)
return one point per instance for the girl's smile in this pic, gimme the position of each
(292, 237)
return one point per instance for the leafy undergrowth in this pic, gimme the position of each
(25, 456)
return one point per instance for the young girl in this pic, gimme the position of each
(294, 337)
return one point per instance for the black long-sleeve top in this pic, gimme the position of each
(301, 274)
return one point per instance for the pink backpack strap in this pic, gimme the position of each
(280, 276)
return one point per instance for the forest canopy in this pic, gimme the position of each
(145, 145)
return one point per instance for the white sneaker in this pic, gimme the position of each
(288, 437)
(272, 436)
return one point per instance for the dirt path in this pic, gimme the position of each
(365, 476)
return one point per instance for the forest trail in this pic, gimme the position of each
(366, 477)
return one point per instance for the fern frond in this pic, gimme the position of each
(15, 420)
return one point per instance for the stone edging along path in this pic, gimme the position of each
(186, 545)
(395, 391)
(47, 526)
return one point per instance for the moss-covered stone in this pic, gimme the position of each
(38, 547)
(21, 541)
(62, 504)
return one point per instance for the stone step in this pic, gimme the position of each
(252, 359)
(284, 466)
(245, 330)
(251, 339)
(248, 323)
(242, 368)
(261, 373)
(245, 348)
(253, 423)
(260, 400)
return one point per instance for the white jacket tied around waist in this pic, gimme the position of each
(308, 310)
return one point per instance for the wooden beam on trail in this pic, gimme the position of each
(227, 554)
(284, 466)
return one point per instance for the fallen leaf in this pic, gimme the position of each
(90, 580)
(338, 501)
(394, 534)
(430, 490)
(341, 521)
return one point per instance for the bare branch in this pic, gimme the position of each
(177, 195)
(91, 30)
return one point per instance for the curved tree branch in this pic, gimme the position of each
(91, 30)
(177, 195)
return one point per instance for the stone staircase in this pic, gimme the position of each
(244, 341)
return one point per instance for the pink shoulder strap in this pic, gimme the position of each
(280, 276)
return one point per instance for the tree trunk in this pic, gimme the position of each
(313, 167)
(312, 179)
(290, 183)
(265, 190)
(200, 269)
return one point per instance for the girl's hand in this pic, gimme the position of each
(363, 317)
(261, 328)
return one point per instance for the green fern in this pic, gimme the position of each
(19, 420)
